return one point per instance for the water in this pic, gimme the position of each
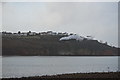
(0, 66)
(19, 66)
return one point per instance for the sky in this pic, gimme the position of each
(97, 19)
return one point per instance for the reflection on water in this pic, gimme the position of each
(34, 65)
(0, 66)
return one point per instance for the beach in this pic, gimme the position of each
(73, 76)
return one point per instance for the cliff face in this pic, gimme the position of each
(49, 45)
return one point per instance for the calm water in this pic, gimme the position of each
(37, 66)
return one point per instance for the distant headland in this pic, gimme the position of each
(53, 44)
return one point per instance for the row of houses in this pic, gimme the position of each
(33, 33)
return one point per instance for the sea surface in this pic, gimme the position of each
(0, 66)
(24, 66)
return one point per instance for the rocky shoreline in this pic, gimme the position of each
(72, 76)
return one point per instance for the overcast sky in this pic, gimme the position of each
(98, 19)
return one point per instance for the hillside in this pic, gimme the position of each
(50, 45)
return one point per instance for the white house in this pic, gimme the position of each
(23, 34)
(32, 33)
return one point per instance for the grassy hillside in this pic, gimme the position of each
(49, 45)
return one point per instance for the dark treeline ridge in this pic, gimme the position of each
(50, 45)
